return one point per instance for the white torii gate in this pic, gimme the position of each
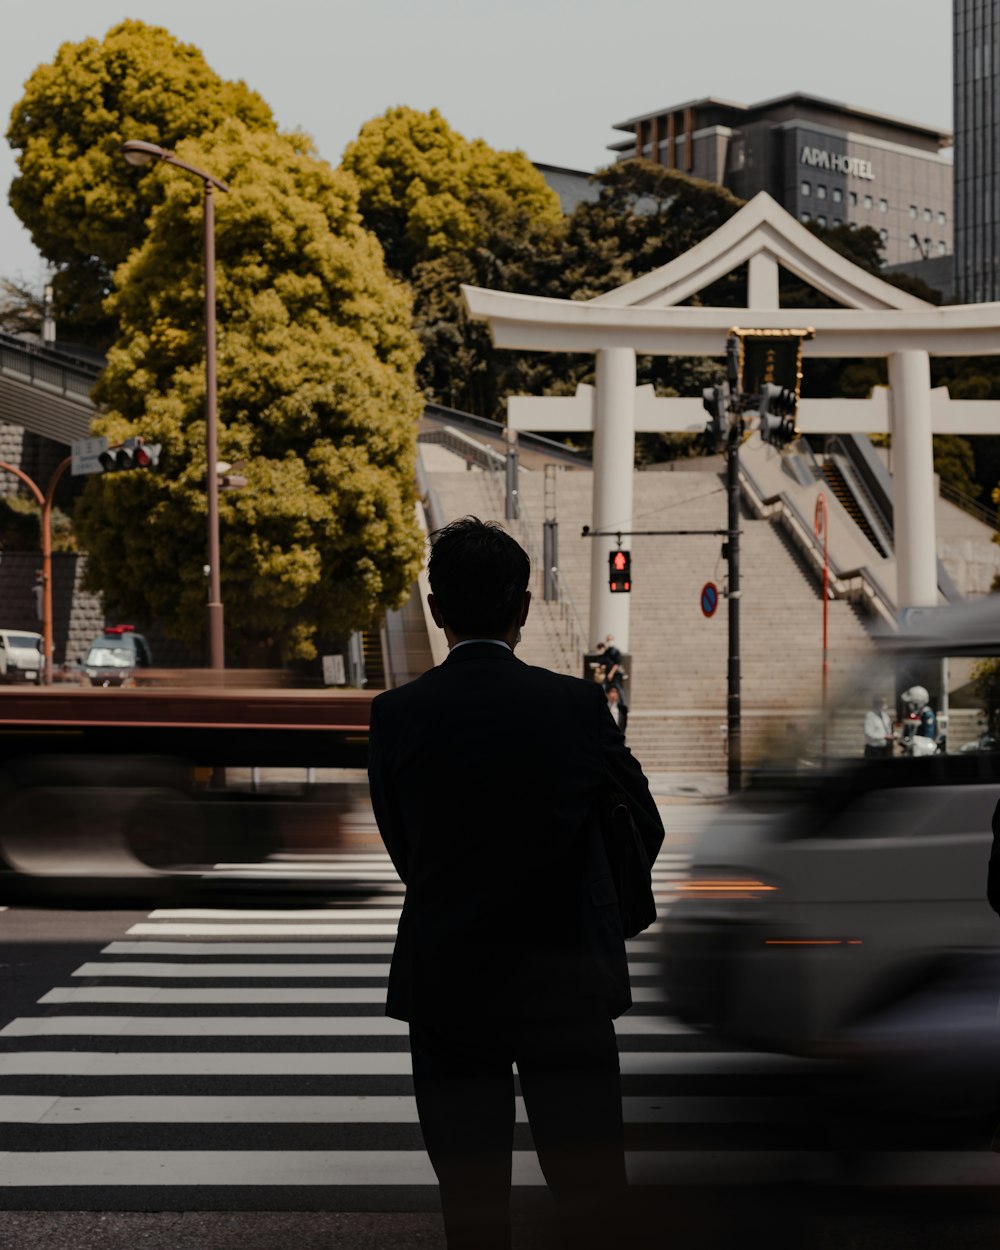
(642, 317)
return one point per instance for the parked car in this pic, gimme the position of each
(21, 656)
(838, 909)
(112, 658)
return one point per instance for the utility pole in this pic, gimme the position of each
(731, 551)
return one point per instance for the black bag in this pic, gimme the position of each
(629, 863)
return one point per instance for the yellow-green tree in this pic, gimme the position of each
(316, 394)
(449, 210)
(83, 206)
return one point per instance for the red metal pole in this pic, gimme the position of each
(47, 562)
(45, 502)
(821, 522)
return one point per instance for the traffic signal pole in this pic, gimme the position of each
(734, 766)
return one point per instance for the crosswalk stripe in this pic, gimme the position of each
(159, 995)
(170, 996)
(224, 949)
(266, 1026)
(127, 968)
(353, 1063)
(326, 913)
(332, 1168)
(347, 1109)
(264, 929)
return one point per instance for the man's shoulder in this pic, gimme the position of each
(386, 700)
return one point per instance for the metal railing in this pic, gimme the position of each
(987, 516)
(859, 584)
(70, 376)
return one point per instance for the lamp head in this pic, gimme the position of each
(138, 152)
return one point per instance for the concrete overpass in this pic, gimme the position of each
(45, 391)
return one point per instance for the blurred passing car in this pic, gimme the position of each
(20, 656)
(838, 907)
(112, 659)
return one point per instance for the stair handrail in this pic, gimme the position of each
(988, 516)
(853, 584)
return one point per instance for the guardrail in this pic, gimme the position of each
(860, 585)
(70, 376)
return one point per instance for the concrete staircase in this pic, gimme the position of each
(678, 674)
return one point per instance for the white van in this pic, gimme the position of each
(838, 907)
(21, 656)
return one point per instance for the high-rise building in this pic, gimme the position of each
(976, 84)
(824, 161)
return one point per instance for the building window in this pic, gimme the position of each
(821, 221)
(853, 197)
(927, 214)
(883, 205)
(820, 192)
(837, 195)
(837, 221)
(942, 217)
(942, 247)
(804, 218)
(868, 201)
(883, 234)
(913, 242)
(806, 188)
(913, 211)
(927, 247)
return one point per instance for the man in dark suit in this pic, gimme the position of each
(510, 946)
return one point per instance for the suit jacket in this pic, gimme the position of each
(490, 817)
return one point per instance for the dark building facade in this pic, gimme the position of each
(822, 161)
(976, 85)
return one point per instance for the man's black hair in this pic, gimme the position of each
(478, 576)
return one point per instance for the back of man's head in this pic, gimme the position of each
(478, 577)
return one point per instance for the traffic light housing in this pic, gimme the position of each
(134, 453)
(619, 571)
(777, 414)
(714, 399)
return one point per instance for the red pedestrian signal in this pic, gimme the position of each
(619, 571)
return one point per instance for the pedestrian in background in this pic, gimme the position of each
(618, 710)
(510, 947)
(878, 729)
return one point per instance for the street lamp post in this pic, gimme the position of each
(138, 152)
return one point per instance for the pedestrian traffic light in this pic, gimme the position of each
(134, 453)
(777, 414)
(619, 571)
(714, 399)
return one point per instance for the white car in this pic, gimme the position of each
(21, 656)
(839, 908)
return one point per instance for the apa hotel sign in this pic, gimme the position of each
(838, 162)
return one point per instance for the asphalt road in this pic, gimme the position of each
(218, 1075)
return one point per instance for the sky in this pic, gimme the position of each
(550, 77)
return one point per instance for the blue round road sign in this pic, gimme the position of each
(709, 598)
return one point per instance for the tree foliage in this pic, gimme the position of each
(428, 192)
(81, 202)
(448, 210)
(316, 394)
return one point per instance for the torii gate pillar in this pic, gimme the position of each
(913, 473)
(614, 464)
